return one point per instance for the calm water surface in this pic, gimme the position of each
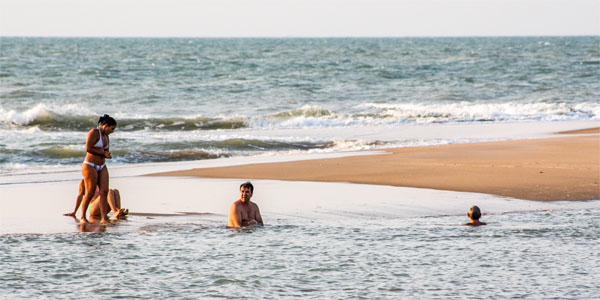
(531, 255)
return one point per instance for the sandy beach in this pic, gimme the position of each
(561, 168)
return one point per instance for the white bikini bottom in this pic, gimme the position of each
(97, 167)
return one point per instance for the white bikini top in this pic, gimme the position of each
(100, 143)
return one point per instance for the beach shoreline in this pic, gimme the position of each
(565, 167)
(500, 173)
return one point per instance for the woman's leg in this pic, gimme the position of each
(103, 185)
(114, 197)
(94, 207)
(90, 177)
(117, 197)
(114, 206)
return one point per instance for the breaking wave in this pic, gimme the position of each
(47, 118)
(421, 113)
(309, 116)
(482, 112)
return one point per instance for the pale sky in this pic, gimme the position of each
(298, 18)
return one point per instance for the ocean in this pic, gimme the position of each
(533, 255)
(189, 99)
(186, 102)
(320, 241)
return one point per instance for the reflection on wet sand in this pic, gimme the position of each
(92, 227)
(176, 214)
(95, 224)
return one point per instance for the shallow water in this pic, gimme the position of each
(525, 255)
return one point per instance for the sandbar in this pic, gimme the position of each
(582, 131)
(548, 169)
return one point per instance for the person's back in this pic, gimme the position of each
(474, 214)
(113, 203)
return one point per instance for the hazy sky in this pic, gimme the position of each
(298, 18)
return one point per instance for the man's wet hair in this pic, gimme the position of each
(474, 212)
(247, 184)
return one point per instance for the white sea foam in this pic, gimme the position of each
(477, 112)
(314, 116)
(369, 114)
(41, 111)
(23, 118)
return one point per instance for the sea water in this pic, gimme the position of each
(532, 255)
(194, 102)
(191, 99)
(320, 240)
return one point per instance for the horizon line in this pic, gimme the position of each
(295, 37)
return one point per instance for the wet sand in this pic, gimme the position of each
(163, 203)
(582, 131)
(561, 168)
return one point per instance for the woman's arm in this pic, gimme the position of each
(107, 150)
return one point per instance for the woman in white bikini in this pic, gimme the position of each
(94, 170)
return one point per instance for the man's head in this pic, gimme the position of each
(246, 190)
(474, 213)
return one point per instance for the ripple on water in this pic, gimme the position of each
(537, 255)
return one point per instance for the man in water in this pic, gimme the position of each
(243, 212)
(474, 214)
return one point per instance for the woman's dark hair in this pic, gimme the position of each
(108, 120)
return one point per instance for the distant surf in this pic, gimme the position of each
(196, 99)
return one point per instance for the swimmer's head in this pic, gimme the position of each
(474, 212)
(248, 185)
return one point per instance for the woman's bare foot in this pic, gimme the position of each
(71, 214)
(84, 221)
(121, 213)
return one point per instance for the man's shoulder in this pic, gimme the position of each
(475, 224)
